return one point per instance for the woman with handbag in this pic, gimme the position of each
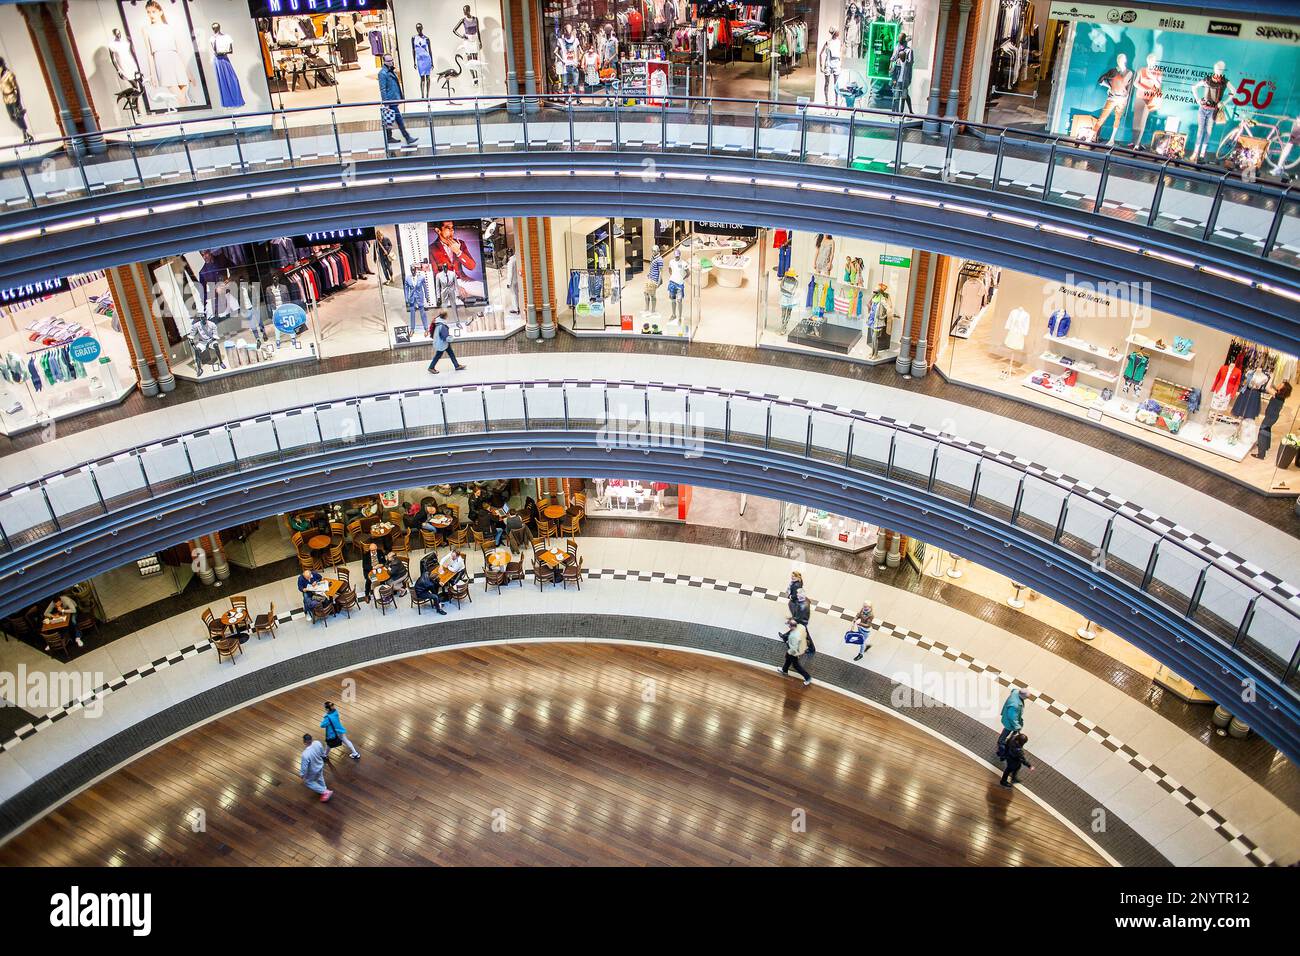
(336, 735)
(797, 644)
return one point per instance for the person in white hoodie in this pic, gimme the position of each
(796, 646)
(312, 767)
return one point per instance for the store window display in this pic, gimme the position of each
(61, 352)
(1100, 353)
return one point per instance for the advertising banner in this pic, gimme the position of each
(456, 248)
(1261, 77)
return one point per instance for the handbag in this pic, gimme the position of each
(855, 637)
(333, 741)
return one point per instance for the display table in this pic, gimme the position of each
(825, 335)
(730, 270)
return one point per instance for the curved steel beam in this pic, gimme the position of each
(337, 472)
(1242, 294)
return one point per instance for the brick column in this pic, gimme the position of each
(65, 78)
(536, 281)
(525, 43)
(145, 336)
(928, 334)
(959, 45)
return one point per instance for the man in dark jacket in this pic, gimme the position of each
(390, 91)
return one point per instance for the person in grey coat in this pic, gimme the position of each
(796, 646)
(312, 767)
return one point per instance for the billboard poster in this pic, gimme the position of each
(456, 250)
(1112, 61)
(657, 78)
(162, 37)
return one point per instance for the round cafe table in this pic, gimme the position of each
(239, 620)
(442, 521)
(318, 542)
(554, 512)
(382, 532)
(498, 559)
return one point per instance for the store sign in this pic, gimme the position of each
(901, 262)
(32, 290)
(1106, 15)
(732, 230)
(306, 8)
(1262, 77)
(289, 318)
(334, 235)
(84, 349)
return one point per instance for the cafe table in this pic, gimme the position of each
(239, 619)
(318, 542)
(498, 558)
(553, 558)
(554, 512)
(382, 532)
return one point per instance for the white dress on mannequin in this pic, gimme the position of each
(1017, 329)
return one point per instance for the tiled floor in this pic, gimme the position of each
(1135, 762)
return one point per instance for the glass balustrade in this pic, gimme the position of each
(1196, 202)
(1238, 610)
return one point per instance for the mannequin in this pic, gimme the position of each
(828, 60)
(653, 278)
(227, 80)
(467, 28)
(878, 316)
(512, 281)
(678, 271)
(789, 292)
(1208, 92)
(122, 57)
(416, 291)
(166, 68)
(1150, 88)
(1017, 329)
(13, 99)
(1288, 144)
(900, 74)
(1118, 83)
(422, 50)
(566, 59)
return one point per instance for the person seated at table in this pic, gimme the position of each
(453, 562)
(306, 580)
(64, 604)
(311, 601)
(372, 559)
(300, 523)
(514, 526)
(414, 516)
(426, 589)
(397, 571)
(485, 525)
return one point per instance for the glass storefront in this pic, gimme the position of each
(150, 60)
(731, 284)
(1183, 85)
(828, 52)
(62, 352)
(299, 298)
(1100, 352)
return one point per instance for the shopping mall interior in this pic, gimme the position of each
(857, 433)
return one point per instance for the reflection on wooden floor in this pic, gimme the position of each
(557, 754)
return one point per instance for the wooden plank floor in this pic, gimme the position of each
(557, 754)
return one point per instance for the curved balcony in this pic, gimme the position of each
(1200, 609)
(1211, 247)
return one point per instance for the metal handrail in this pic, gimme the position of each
(84, 149)
(1207, 555)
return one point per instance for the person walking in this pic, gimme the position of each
(1015, 759)
(390, 92)
(795, 586)
(312, 767)
(862, 625)
(801, 608)
(335, 733)
(442, 345)
(796, 646)
(1013, 718)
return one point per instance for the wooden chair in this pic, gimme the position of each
(460, 592)
(480, 539)
(541, 574)
(354, 528)
(493, 578)
(322, 612)
(429, 540)
(338, 532)
(452, 509)
(385, 597)
(579, 502)
(545, 529)
(58, 641)
(266, 623)
(515, 572)
(343, 573)
(572, 572)
(396, 519)
(227, 647)
(240, 602)
(571, 549)
(214, 626)
(571, 525)
(346, 600)
(336, 555)
(419, 602)
(402, 547)
(308, 563)
(299, 544)
(459, 538)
